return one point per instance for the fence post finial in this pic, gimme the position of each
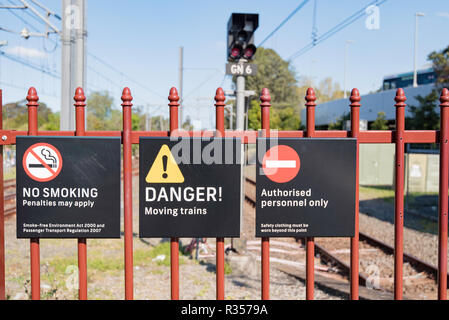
(32, 98)
(400, 98)
(127, 98)
(173, 98)
(355, 98)
(265, 98)
(80, 98)
(444, 99)
(220, 98)
(310, 98)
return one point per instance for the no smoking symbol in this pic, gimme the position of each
(42, 162)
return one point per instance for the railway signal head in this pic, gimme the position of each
(241, 28)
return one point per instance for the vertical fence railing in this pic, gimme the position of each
(174, 242)
(399, 195)
(400, 136)
(32, 105)
(220, 262)
(265, 106)
(80, 104)
(2, 214)
(128, 191)
(355, 130)
(310, 242)
(443, 196)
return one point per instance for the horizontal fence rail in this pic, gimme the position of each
(399, 137)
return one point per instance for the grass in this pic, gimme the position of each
(227, 268)
(9, 174)
(387, 194)
(163, 249)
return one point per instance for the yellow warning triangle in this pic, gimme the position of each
(164, 168)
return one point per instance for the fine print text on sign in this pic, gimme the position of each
(189, 187)
(305, 187)
(68, 187)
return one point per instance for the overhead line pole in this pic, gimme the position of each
(67, 114)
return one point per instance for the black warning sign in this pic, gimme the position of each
(305, 187)
(189, 187)
(68, 187)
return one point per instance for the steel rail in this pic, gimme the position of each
(416, 262)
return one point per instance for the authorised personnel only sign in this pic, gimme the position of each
(305, 187)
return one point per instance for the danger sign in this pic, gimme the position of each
(189, 187)
(42, 162)
(281, 164)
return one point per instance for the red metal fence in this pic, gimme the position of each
(399, 137)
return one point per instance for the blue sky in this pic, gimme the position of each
(142, 39)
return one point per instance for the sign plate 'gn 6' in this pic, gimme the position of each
(305, 187)
(68, 187)
(189, 187)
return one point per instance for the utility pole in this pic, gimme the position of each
(415, 62)
(73, 55)
(181, 82)
(80, 48)
(67, 113)
(240, 100)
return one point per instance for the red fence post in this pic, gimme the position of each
(355, 129)
(443, 197)
(32, 105)
(265, 98)
(2, 213)
(80, 104)
(174, 242)
(399, 195)
(310, 243)
(220, 132)
(127, 191)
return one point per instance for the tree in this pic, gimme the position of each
(381, 122)
(425, 116)
(440, 61)
(277, 75)
(280, 118)
(326, 90)
(339, 123)
(15, 117)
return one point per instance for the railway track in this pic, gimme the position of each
(376, 259)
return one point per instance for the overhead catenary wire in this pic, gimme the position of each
(343, 24)
(30, 65)
(302, 4)
(122, 74)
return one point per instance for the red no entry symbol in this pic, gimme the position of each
(42, 162)
(281, 164)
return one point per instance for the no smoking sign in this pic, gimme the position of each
(68, 187)
(42, 162)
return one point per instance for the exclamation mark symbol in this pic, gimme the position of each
(164, 165)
